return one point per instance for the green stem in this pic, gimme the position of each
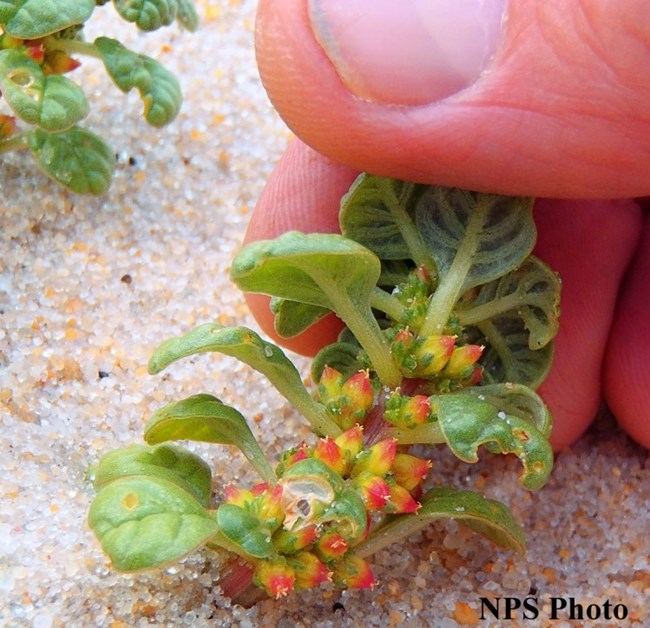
(17, 142)
(387, 303)
(419, 252)
(426, 434)
(389, 533)
(256, 457)
(479, 313)
(451, 285)
(313, 411)
(73, 46)
(358, 317)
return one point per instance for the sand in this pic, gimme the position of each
(89, 286)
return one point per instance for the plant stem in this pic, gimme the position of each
(236, 582)
(479, 313)
(451, 285)
(74, 46)
(313, 411)
(390, 533)
(358, 317)
(387, 303)
(419, 252)
(426, 434)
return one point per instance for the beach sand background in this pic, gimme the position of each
(89, 286)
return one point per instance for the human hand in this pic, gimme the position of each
(551, 102)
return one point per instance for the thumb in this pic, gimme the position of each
(509, 96)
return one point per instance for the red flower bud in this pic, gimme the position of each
(290, 541)
(327, 451)
(59, 62)
(378, 459)
(346, 402)
(374, 490)
(433, 354)
(476, 377)
(289, 458)
(350, 444)
(330, 546)
(423, 275)
(401, 501)
(237, 496)
(404, 336)
(309, 571)
(330, 384)
(359, 391)
(268, 507)
(37, 53)
(353, 573)
(409, 471)
(461, 363)
(276, 577)
(407, 412)
(418, 409)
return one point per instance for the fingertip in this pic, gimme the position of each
(626, 373)
(589, 243)
(554, 115)
(303, 193)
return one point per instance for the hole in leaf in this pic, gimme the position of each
(131, 501)
(22, 78)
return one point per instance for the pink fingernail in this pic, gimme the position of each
(408, 52)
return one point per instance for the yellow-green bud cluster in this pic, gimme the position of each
(319, 510)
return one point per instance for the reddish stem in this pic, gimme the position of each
(236, 582)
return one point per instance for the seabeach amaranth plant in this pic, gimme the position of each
(40, 42)
(449, 325)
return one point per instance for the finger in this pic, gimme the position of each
(589, 243)
(546, 98)
(303, 193)
(627, 363)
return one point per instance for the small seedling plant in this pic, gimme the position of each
(41, 41)
(449, 326)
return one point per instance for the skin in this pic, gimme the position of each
(562, 115)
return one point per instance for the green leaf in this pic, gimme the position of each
(326, 270)
(76, 158)
(158, 87)
(314, 468)
(143, 522)
(378, 213)
(516, 400)
(348, 514)
(248, 347)
(205, 419)
(51, 102)
(31, 19)
(187, 15)
(341, 356)
(148, 15)
(487, 517)
(293, 317)
(468, 422)
(490, 234)
(508, 356)
(474, 238)
(168, 462)
(244, 530)
(394, 272)
(532, 291)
